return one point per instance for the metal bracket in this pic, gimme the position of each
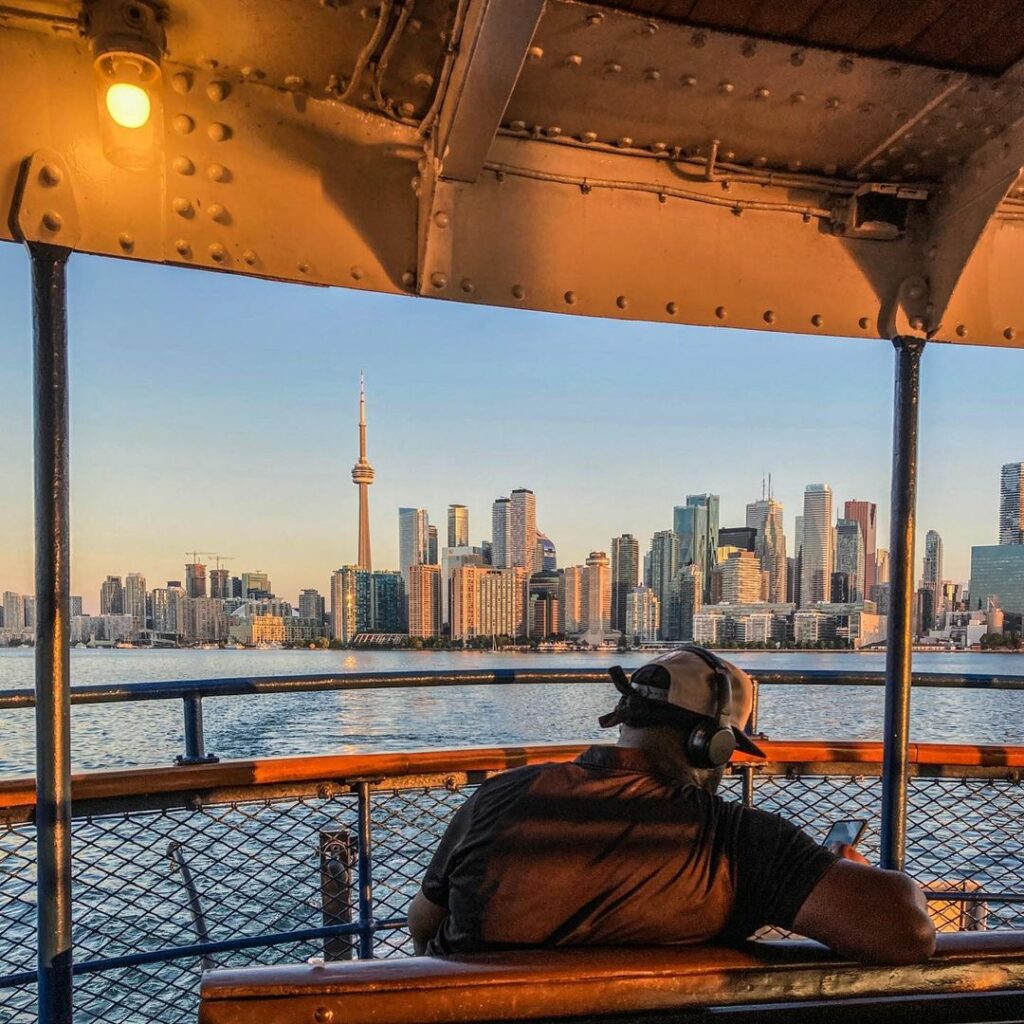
(44, 208)
(905, 315)
(436, 231)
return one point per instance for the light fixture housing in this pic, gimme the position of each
(127, 43)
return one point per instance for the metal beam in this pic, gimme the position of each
(493, 46)
(52, 653)
(895, 757)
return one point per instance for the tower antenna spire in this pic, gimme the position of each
(362, 477)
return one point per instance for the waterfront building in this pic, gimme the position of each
(816, 551)
(751, 629)
(366, 602)
(742, 579)
(425, 600)
(14, 611)
(256, 629)
(413, 540)
(387, 603)
(135, 601)
(76, 606)
(501, 602)
(458, 526)
(462, 591)
(301, 630)
(220, 584)
(807, 627)
(570, 599)
(547, 556)
(543, 612)
(865, 514)
(256, 584)
(451, 559)
(169, 611)
(112, 596)
(625, 574)
(343, 615)
(642, 616)
(931, 576)
(664, 564)
(501, 533)
(696, 526)
(1011, 507)
(596, 594)
(997, 572)
(362, 477)
(685, 598)
(708, 627)
(850, 557)
(206, 621)
(523, 530)
(195, 579)
(311, 605)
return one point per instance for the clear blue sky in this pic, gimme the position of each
(219, 413)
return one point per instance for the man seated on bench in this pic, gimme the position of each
(629, 845)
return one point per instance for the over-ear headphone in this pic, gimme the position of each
(711, 742)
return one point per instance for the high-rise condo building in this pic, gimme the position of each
(425, 600)
(765, 516)
(135, 600)
(76, 606)
(685, 599)
(220, 584)
(882, 567)
(452, 559)
(547, 556)
(413, 540)
(696, 526)
(851, 558)
(14, 611)
(256, 585)
(195, 579)
(596, 595)
(798, 559)
(458, 526)
(625, 575)
(366, 602)
(501, 533)
(931, 578)
(311, 605)
(362, 477)
(112, 596)
(865, 513)
(432, 552)
(169, 619)
(542, 614)
(643, 615)
(816, 556)
(570, 599)
(1011, 507)
(501, 602)
(523, 530)
(742, 578)
(664, 563)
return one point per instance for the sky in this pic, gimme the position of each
(218, 413)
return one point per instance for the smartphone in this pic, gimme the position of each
(847, 832)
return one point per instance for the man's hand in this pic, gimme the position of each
(848, 852)
(425, 917)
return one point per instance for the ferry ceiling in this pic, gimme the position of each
(807, 166)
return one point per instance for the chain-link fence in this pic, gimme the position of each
(274, 874)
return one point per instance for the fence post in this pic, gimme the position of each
(195, 740)
(336, 846)
(747, 770)
(365, 870)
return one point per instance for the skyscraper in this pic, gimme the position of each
(311, 605)
(684, 601)
(452, 559)
(547, 555)
(742, 578)
(425, 600)
(765, 516)
(696, 526)
(798, 558)
(135, 600)
(413, 540)
(14, 611)
(112, 596)
(643, 615)
(664, 563)
(625, 573)
(596, 595)
(431, 558)
(850, 558)
(865, 513)
(1011, 507)
(256, 585)
(501, 533)
(570, 599)
(220, 584)
(362, 477)
(458, 526)
(931, 578)
(816, 557)
(195, 579)
(523, 530)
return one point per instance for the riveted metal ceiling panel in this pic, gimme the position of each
(985, 36)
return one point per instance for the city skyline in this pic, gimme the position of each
(208, 428)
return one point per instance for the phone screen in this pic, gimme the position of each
(845, 833)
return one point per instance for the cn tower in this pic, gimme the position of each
(362, 477)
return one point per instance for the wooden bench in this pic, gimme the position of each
(670, 983)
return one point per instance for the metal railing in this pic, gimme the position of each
(192, 692)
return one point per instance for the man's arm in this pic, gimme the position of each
(425, 918)
(868, 914)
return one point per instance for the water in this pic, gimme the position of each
(118, 735)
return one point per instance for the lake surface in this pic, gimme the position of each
(115, 735)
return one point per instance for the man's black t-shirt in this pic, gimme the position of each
(604, 851)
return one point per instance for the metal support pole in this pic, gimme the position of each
(52, 657)
(336, 848)
(899, 638)
(195, 737)
(365, 875)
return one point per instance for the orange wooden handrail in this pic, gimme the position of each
(135, 782)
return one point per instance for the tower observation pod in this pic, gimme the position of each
(362, 477)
